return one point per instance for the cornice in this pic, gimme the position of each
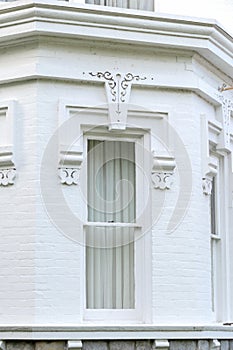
(95, 332)
(25, 19)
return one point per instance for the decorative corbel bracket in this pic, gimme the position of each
(74, 345)
(161, 344)
(7, 167)
(70, 165)
(207, 186)
(162, 171)
(212, 171)
(226, 115)
(118, 89)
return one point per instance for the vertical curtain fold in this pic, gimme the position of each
(110, 250)
(147, 5)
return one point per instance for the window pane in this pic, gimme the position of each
(110, 268)
(111, 181)
(110, 250)
(213, 207)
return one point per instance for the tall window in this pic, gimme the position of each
(213, 208)
(147, 5)
(110, 247)
(215, 238)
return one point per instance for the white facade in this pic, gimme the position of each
(51, 98)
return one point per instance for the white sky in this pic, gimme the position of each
(221, 10)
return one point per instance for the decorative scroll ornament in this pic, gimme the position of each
(227, 113)
(7, 176)
(118, 88)
(69, 176)
(162, 180)
(227, 106)
(162, 171)
(70, 165)
(7, 167)
(207, 186)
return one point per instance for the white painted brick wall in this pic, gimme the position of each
(41, 270)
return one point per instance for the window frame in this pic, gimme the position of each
(216, 239)
(142, 243)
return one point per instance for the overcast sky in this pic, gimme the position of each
(222, 10)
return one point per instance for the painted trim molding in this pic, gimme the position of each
(95, 332)
(205, 37)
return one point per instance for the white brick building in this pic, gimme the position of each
(116, 132)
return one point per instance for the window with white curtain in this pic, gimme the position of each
(110, 246)
(215, 242)
(117, 252)
(147, 5)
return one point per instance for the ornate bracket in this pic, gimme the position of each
(212, 170)
(162, 180)
(207, 186)
(7, 176)
(69, 176)
(118, 88)
(7, 168)
(163, 171)
(7, 165)
(69, 166)
(227, 113)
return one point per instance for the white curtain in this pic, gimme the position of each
(110, 250)
(131, 4)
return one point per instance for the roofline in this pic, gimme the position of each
(26, 18)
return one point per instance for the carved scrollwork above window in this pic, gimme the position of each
(226, 135)
(118, 89)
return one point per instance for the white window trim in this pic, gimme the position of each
(212, 148)
(215, 238)
(142, 242)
